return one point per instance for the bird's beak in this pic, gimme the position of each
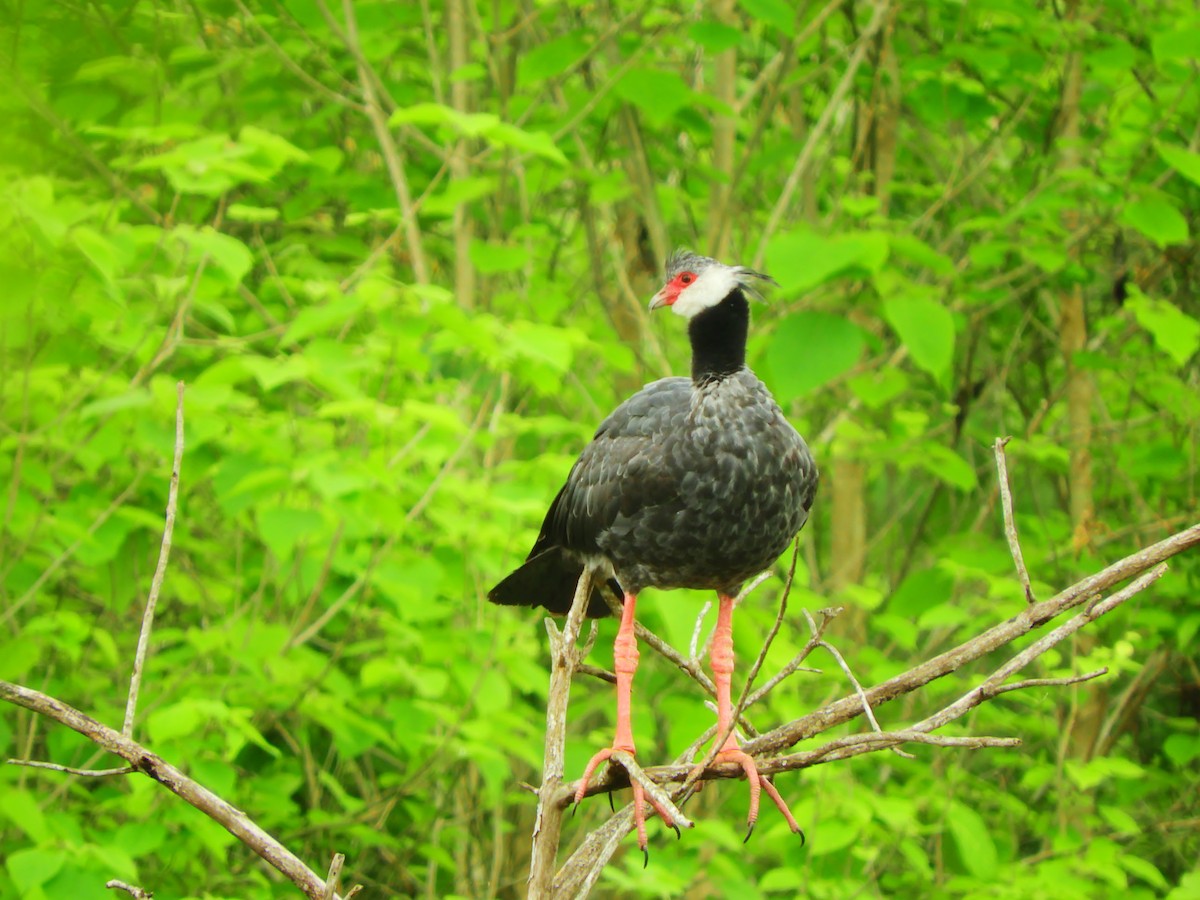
(662, 298)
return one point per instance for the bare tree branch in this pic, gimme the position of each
(150, 764)
(1010, 525)
(160, 571)
(132, 890)
(71, 770)
(1026, 620)
(581, 871)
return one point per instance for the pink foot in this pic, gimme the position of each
(639, 796)
(721, 653)
(625, 660)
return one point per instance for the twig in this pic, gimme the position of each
(154, 766)
(131, 889)
(694, 650)
(71, 770)
(879, 740)
(582, 870)
(335, 874)
(596, 672)
(756, 667)
(827, 615)
(1032, 616)
(1010, 524)
(1049, 682)
(657, 795)
(992, 685)
(858, 688)
(585, 864)
(164, 554)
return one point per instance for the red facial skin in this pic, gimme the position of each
(672, 289)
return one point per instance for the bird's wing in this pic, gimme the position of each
(621, 470)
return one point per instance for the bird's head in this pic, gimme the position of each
(695, 283)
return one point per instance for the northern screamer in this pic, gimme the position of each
(690, 483)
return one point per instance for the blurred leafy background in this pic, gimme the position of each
(400, 253)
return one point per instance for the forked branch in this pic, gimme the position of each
(582, 870)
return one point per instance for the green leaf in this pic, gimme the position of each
(490, 258)
(485, 125)
(1181, 749)
(1144, 870)
(502, 134)
(810, 349)
(926, 328)
(23, 810)
(177, 720)
(1174, 332)
(541, 342)
(658, 93)
(221, 252)
(30, 869)
(715, 37)
(802, 259)
(973, 840)
(470, 124)
(1157, 219)
(1119, 820)
(98, 250)
(1171, 45)
(323, 317)
(549, 58)
(1185, 162)
(782, 879)
(241, 212)
(282, 528)
(776, 13)
(274, 150)
(138, 398)
(271, 372)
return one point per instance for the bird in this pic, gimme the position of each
(693, 482)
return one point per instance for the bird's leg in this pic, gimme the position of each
(625, 662)
(721, 654)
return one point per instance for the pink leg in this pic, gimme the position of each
(721, 652)
(625, 662)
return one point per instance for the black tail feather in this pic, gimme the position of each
(549, 580)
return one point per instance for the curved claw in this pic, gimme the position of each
(639, 797)
(758, 784)
(645, 857)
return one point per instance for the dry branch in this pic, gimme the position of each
(1026, 620)
(131, 889)
(580, 872)
(160, 570)
(150, 764)
(1010, 524)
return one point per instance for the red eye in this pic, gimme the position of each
(687, 278)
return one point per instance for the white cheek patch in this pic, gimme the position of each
(713, 286)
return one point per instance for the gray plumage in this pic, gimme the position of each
(690, 483)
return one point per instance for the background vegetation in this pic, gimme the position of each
(400, 253)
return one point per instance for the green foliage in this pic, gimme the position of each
(396, 331)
